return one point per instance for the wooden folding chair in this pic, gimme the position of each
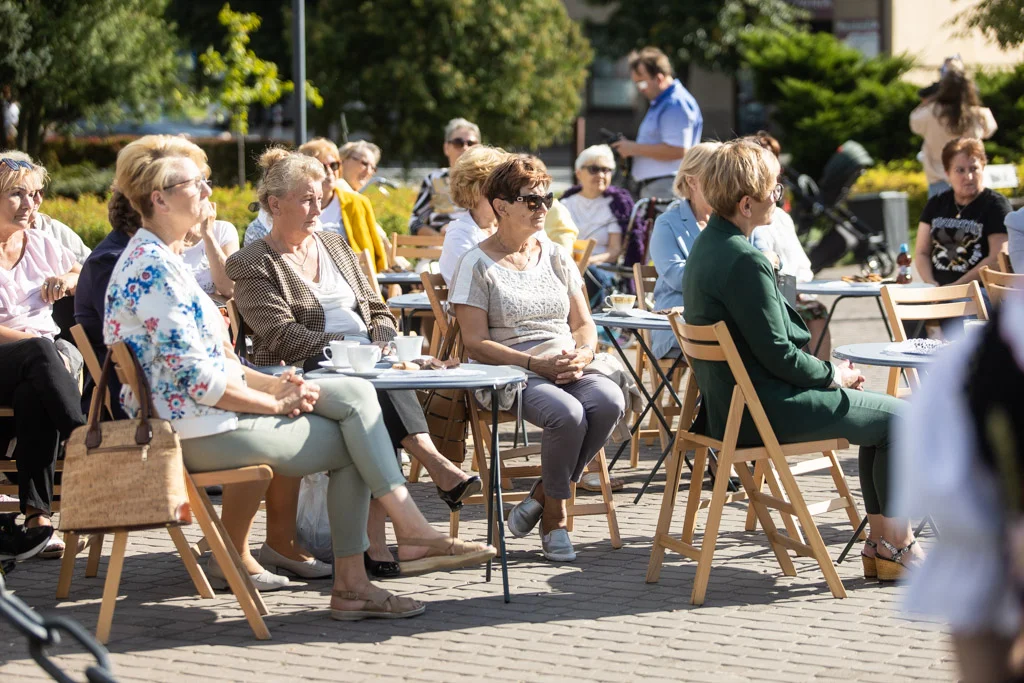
(223, 549)
(926, 304)
(11, 466)
(581, 252)
(1003, 258)
(416, 246)
(998, 283)
(644, 278)
(714, 344)
(238, 330)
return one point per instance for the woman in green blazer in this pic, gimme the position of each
(727, 279)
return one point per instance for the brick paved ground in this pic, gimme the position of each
(595, 619)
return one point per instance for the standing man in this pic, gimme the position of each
(673, 124)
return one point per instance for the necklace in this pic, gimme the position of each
(301, 264)
(511, 253)
(960, 209)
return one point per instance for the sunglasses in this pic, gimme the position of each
(461, 142)
(15, 164)
(333, 166)
(598, 170)
(198, 182)
(369, 166)
(534, 201)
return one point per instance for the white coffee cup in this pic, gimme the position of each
(620, 302)
(337, 352)
(363, 357)
(408, 347)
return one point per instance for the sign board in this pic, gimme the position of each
(1001, 176)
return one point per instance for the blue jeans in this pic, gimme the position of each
(600, 283)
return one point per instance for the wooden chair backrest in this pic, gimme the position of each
(581, 251)
(644, 278)
(1003, 258)
(931, 303)
(234, 319)
(437, 293)
(125, 367)
(997, 283)
(92, 363)
(416, 246)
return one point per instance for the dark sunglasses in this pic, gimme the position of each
(334, 166)
(597, 170)
(460, 142)
(15, 164)
(368, 165)
(534, 201)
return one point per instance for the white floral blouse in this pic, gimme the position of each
(157, 308)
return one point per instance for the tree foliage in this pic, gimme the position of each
(107, 59)
(400, 69)
(1001, 21)
(822, 93)
(703, 32)
(1003, 93)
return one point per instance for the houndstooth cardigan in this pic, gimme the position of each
(286, 320)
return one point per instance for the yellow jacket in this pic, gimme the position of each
(559, 226)
(361, 226)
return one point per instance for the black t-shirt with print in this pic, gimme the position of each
(958, 244)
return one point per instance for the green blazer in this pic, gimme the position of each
(726, 278)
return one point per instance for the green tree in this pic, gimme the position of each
(108, 59)
(401, 69)
(703, 32)
(243, 79)
(821, 93)
(1003, 93)
(1001, 21)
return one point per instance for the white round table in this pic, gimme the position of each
(407, 303)
(875, 354)
(392, 277)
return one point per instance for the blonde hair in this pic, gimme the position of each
(146, 165)
(738, 169)
(693, 164)
(470, 172)
(350, 148)
(595, 153)
(320, 148)
(283, 171)
(16, 177)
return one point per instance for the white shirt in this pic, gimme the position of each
(330, 217)
(337, 299)
(594, 219)
(195, 258)
(461, 235)
(780, 236)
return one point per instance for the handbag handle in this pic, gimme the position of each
(143, 433)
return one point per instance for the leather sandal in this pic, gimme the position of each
(378, 604)
(381, 569)
(892, 569)
(444, 554)
(870, 567)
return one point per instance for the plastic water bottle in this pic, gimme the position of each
(904, 276)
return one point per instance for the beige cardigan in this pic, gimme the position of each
(924, 121)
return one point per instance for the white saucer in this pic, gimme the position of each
(328, 365)
(369, 373)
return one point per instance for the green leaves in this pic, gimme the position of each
(1001, 21)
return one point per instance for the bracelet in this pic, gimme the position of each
(528, 359)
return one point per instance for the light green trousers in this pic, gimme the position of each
(343, 436)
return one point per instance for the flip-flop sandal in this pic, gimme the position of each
(444, 554)
(379, 604)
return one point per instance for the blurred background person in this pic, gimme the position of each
(434, 208)
(359, 161)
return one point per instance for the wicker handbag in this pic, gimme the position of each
(447, 421)
(123, 474)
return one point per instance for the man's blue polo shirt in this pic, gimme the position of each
(674, 118)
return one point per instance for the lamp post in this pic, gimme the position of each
(299, 68)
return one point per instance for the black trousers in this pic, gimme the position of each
(46, 406)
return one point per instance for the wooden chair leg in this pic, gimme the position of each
(204, 512)
(771, 478)
(110, 587)
(67, 565)
(764, 516)
(693, 496)
(571, 504)
(609, 499)
(197, 575)
(673, 474)
(892, 385)
(199, 548)
(453, 523)
(707, 545)
(840, 481)
(414, 469)
(634, 447)
(751, 524)
(92, 567)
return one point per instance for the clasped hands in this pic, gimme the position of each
(562, 368)
(294, 394)
(849, 376)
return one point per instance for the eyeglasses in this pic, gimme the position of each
(599, 170)
(198, 182)
(15, 164)
(333, 166)
(461, 142)
(533, 201)
(368, 165)
(777, 193)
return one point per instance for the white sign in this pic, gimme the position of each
(1001, 176)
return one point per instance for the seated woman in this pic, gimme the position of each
(228, 416)
(601, 212)
(520, 301)
(434, 208)
(38, 376)
(90, 299)
(778, 241)
(468, 176)
(206, 249)
(962, 229)
(359, 161)
(673, 236)
(805, 398)
(299, 288)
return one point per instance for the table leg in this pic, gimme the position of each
(496, 514)
(853, 539)
(828, 320)
(885, 318)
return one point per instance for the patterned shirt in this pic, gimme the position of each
(434, 207)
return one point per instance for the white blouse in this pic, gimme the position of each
(337, 298)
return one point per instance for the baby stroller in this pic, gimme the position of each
(824, 202)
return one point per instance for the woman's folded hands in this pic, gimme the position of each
(294, 394)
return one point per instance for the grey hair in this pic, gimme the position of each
(283, 171)
(595, 153)
(350, 148)
(455, 124)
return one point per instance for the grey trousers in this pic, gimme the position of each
(344, 436)
(577, 420)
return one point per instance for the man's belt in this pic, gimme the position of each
(641, 184)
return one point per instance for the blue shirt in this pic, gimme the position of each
(673, 237)
(673, 118)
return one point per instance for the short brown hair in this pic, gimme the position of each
(768, 141)
(471, 171)
(653, 60)
(972, 147)
(506, 180)
(740, 168)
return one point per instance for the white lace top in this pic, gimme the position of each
(521, 306)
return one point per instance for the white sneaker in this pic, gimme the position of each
(558, 546)
(264, 581)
